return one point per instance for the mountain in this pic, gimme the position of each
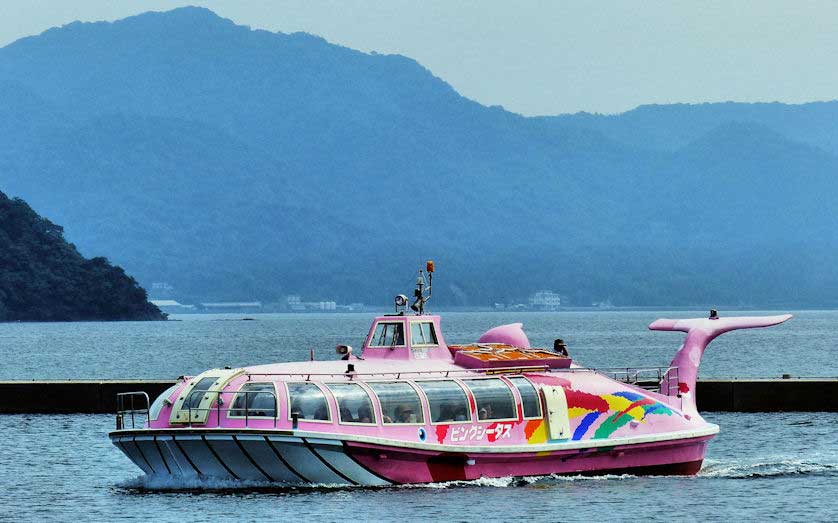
(44, 278)
(237, 164)
(669, 127)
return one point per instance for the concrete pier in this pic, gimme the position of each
(734, 395)
(80, 396)
(768, 395)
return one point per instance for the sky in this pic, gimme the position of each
(545, 57)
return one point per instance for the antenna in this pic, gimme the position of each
(421, 299)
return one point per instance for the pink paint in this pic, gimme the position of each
(681, 457)
(700, 332)
(511, 334)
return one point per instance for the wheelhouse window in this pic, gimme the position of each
(447, 401)
(388, 334)
(422, 333)
(529, 397)
(494, 399)
(255, 400)
(354, 404)
(399, 403)
(198, 391)
(308, 402)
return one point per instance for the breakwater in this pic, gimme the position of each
(714, 395)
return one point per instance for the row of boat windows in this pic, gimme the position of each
(400, 403)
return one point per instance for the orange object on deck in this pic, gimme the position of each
(493, 355)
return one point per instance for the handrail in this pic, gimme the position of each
(442, 372)
(121, 411)
(219, 400)
(635, 372)
(651, 378)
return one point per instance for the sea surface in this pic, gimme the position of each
(761, 466)
(804, 346)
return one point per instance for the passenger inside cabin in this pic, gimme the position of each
(446, 413)
(461, 414)
(322, 413)
(408, 416)
(364, 414)
(307, 401)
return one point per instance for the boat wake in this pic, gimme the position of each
(765, 468)
(174, 484)
(712, 469)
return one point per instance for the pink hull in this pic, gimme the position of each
(682, 457)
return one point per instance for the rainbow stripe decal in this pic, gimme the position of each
(624, 407)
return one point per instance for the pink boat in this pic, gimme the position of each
(408, 410)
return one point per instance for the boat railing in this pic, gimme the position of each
(245, 412)
(130, 405)
(650, 378)
(351, 375)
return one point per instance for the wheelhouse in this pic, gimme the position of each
(401, 337)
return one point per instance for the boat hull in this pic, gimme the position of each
(269, 456)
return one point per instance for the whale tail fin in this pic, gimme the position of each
(700, 332)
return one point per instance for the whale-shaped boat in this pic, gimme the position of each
(410, 408)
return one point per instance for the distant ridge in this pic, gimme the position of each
(236, 164)
(43, 278)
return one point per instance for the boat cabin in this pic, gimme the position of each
(403, 337)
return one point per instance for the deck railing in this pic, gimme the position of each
(128, 406)
(351, 375)
(650, 378)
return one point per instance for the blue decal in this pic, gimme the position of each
(422, 434)
(585, 424)
(632, 396)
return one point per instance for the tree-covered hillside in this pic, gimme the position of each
(44, 278)
(236, 164)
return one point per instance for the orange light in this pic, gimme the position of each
(429, 266)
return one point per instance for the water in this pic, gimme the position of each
(805, 346)
(62, 467)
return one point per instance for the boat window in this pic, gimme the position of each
(529, 397)
(157, 406)
(197, 392)
(422, 333)
(399, 403)
(494, 399)
(308, 402)
(388, 334)
(447, 400)
(354, 403)
(255, 399)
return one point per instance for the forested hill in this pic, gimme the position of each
(44, 278)
(237, 164)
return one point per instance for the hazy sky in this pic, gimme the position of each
(546, 57)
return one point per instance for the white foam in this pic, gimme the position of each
(166, 483)
(766, 467)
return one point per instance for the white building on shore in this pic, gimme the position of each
(545, 301)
